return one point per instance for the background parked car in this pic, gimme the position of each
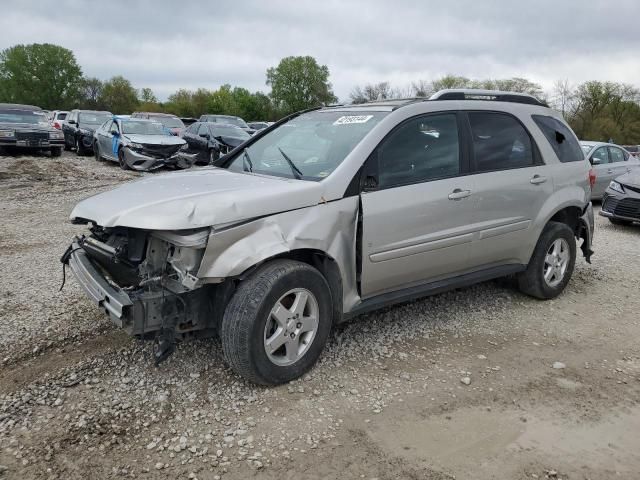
(228, 119)
(609, 161)
(138, 144)
(621, 200)
(210, 140)
(188, 121)
(79, 127)
(26, 127)
(171, 122)
(634, 150)
(57, 118)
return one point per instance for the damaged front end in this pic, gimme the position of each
(146, 281)
(145, 157)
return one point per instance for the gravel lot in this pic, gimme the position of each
(478, 383)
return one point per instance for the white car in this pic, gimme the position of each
(57, 117)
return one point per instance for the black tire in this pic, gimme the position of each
(618, 221)
(80, 150)
(67, 147)
(121, 160)
(55, 151)
(96, 151)
(243, 326)
(532, 281)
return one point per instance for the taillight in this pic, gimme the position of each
(56, 125)
(592, 178)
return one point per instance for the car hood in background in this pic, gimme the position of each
(631, 178)
(194, 199)
(155, 139)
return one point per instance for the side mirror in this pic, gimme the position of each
(595, 161)
(205, 135)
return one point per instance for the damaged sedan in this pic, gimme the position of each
(335, 212)
(139, 144)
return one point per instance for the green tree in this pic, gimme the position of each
(90, 91)
(118, 96)
(45, 75)
(298, 83)
(147, 96)
(180, 103)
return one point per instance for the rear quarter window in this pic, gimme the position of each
(560, 138)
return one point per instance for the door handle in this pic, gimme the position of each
(537, 179)
(459, 194)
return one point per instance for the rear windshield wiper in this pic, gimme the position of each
(295, 170)
(247, 159)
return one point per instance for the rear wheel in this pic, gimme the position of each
(618, 221)
(277, 322)
(551, 264)
(122, 161)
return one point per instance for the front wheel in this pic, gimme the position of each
(213, 155)
(56, 151)
(551, 264)
(121, 160)
(80, 150)
(277, 322)
(96, 151)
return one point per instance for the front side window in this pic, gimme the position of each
(600, 156)
(500, 142)
(616, 155)
(560, 138)
(422, 149)
(309, 146)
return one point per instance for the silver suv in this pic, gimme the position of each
(334, 212)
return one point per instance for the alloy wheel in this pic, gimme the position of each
(291, 327)
(556, 262)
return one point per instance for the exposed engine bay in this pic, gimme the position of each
(156, 270)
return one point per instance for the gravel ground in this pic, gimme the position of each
(481, 382)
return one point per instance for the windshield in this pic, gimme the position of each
(142, 127)
(228, 131)
(169, 122)
(315, 142)
(93, 118)
(21, 116)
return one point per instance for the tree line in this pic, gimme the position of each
(49, 76)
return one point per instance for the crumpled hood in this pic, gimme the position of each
(632, 178)
(194, 199)
(155, 139)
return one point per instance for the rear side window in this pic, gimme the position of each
(560, 138)
(616, 155)
(500, 142)
(61, 116)
(600, 156)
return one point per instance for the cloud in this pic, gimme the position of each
(166, 45)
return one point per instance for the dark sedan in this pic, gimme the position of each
(26, 127)
(210, 140)
(79, 127)
(621, 200)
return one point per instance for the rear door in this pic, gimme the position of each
(511, 185)
(417, 205)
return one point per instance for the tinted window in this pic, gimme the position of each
(203, 129)
(600, 156)
(61, 116)
(499, 142)
(616, 155)
(560, 138)
(424, 148)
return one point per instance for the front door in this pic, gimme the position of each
(604, 172)
(418, 206)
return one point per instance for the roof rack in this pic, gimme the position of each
(490, 95)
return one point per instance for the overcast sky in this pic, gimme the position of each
(166, 45)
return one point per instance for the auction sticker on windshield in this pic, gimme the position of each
(349, 119)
